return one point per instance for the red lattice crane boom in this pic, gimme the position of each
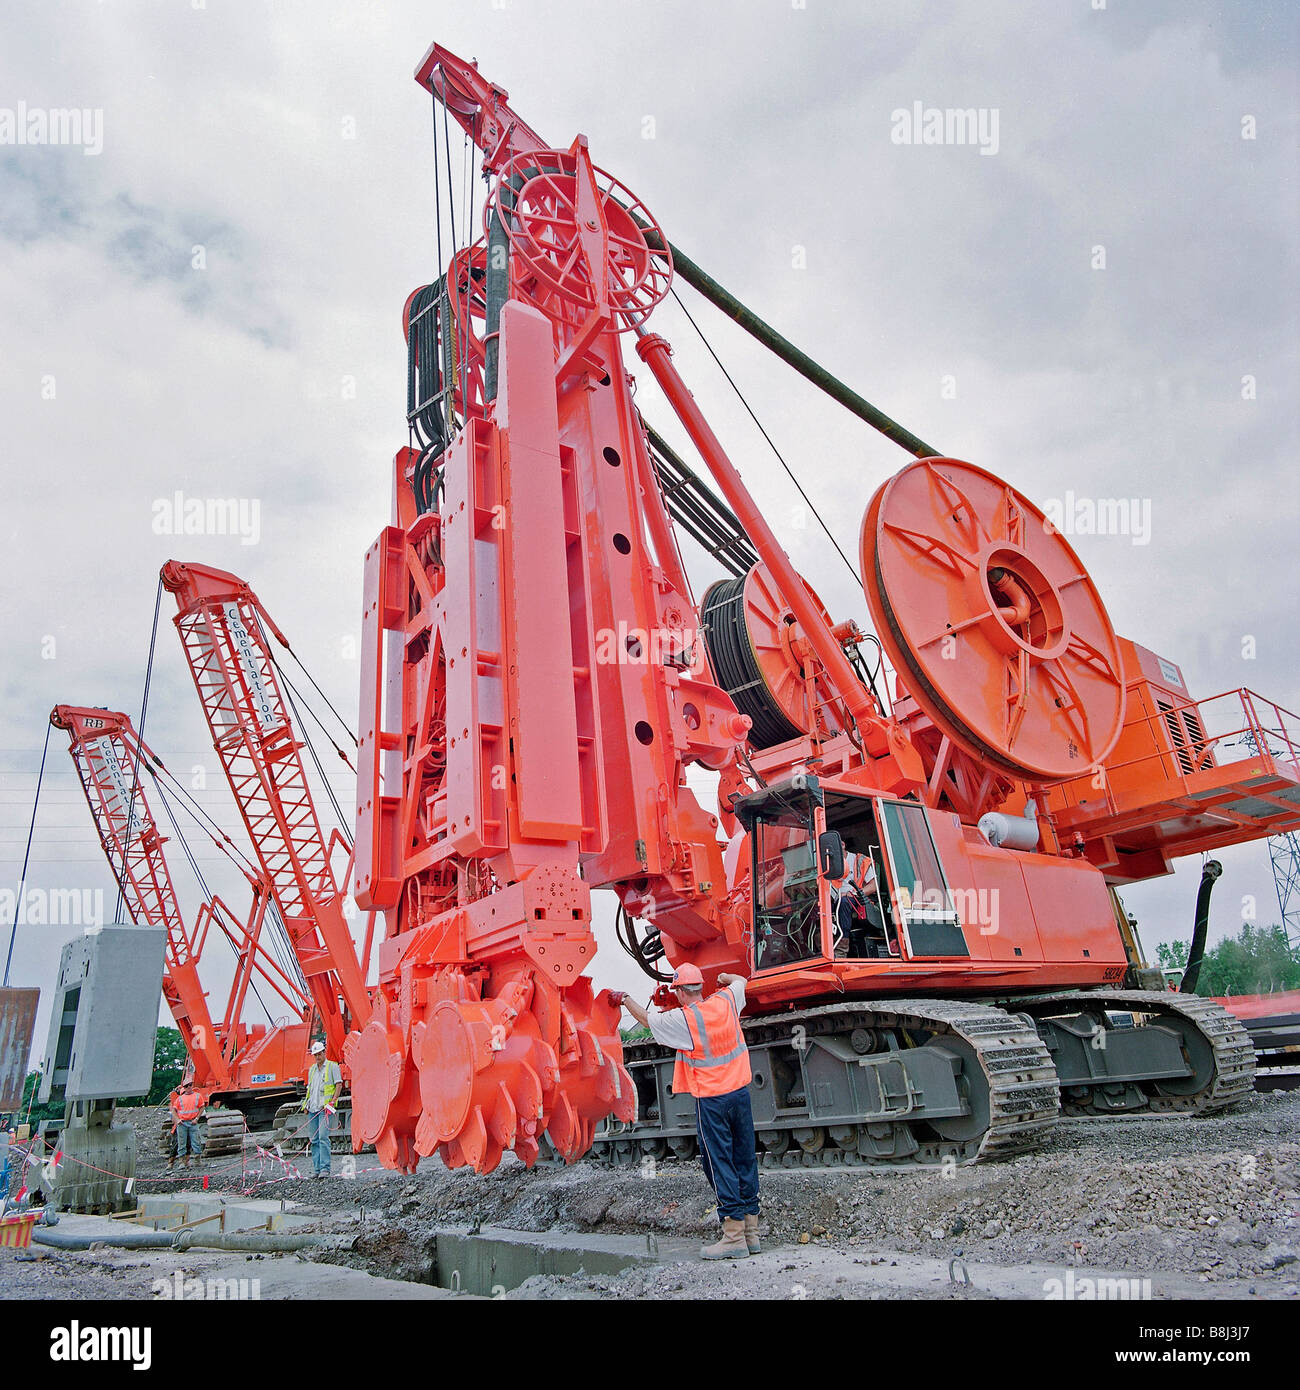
(222, 626)
(229, 1056)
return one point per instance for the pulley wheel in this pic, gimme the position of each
(991, 621)
(536, 198)
(758, 653)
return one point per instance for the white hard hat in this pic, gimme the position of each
(317, 1046)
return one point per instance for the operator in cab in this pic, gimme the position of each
(859, 921)
(713, 1066)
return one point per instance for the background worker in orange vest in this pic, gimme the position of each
(186, 1109)
(713, 1065)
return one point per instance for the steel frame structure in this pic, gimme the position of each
(222, 626)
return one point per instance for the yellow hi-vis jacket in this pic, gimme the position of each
(331, 1079)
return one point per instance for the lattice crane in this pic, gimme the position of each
(222, 626)
(233, 1060)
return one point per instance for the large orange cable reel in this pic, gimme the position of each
(991, 621)
(763, 658)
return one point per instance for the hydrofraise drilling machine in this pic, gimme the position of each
(538, 677)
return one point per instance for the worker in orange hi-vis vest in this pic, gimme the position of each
(186, 1110)
(713, 1066)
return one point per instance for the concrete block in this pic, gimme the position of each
(105, 1016)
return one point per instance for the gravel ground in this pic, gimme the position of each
(1203, 1207)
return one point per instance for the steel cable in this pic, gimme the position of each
(22, 882)
(135, 771)
(780, 458)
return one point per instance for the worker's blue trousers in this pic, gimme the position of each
(318, 1134)
(727, 1149)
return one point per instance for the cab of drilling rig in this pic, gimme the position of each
(837, 874)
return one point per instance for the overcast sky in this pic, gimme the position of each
(1097, 297)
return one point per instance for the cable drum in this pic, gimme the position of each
(731, 653)
(993, 624)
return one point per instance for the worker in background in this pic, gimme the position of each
(186, 1110)
(324, 1080)
(713, 1066)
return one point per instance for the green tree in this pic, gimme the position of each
(1258, 960)
(1172, 955)
(32, 1109)
(169, 1059)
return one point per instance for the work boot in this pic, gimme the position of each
(751, 1234)
(731, 1246)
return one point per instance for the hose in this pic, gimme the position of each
(1209, 875)
(264, 1242)
(645, 951)
(127, 1240)
(722, 619)
(425, 377)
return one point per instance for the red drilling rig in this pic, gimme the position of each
(538, 675)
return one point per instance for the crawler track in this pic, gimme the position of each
(1224, 1061)
(1006, 1082)
(1007, 1086)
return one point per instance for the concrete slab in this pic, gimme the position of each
(73, 1223)
(295, 1279)
(171, 1209)
(495, 1259)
